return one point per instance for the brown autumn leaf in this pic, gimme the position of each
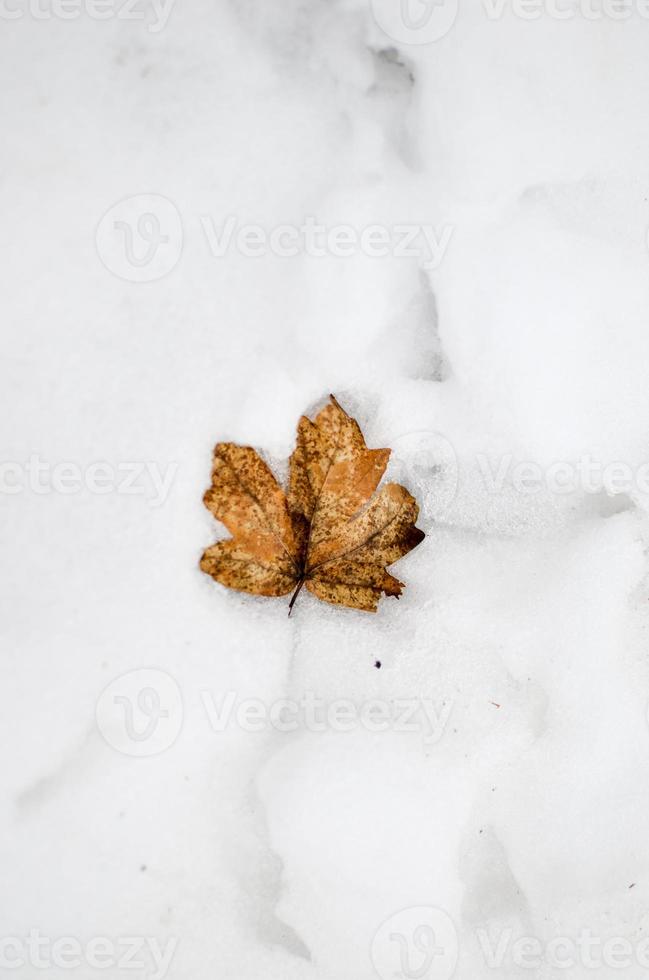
(332, 533)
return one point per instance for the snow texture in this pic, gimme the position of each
(182, 806)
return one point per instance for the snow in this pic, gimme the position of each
(245, 795)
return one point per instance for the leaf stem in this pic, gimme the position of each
(295, 595)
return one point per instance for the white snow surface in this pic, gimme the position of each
(521, 808)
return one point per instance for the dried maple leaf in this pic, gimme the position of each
(332, 533)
